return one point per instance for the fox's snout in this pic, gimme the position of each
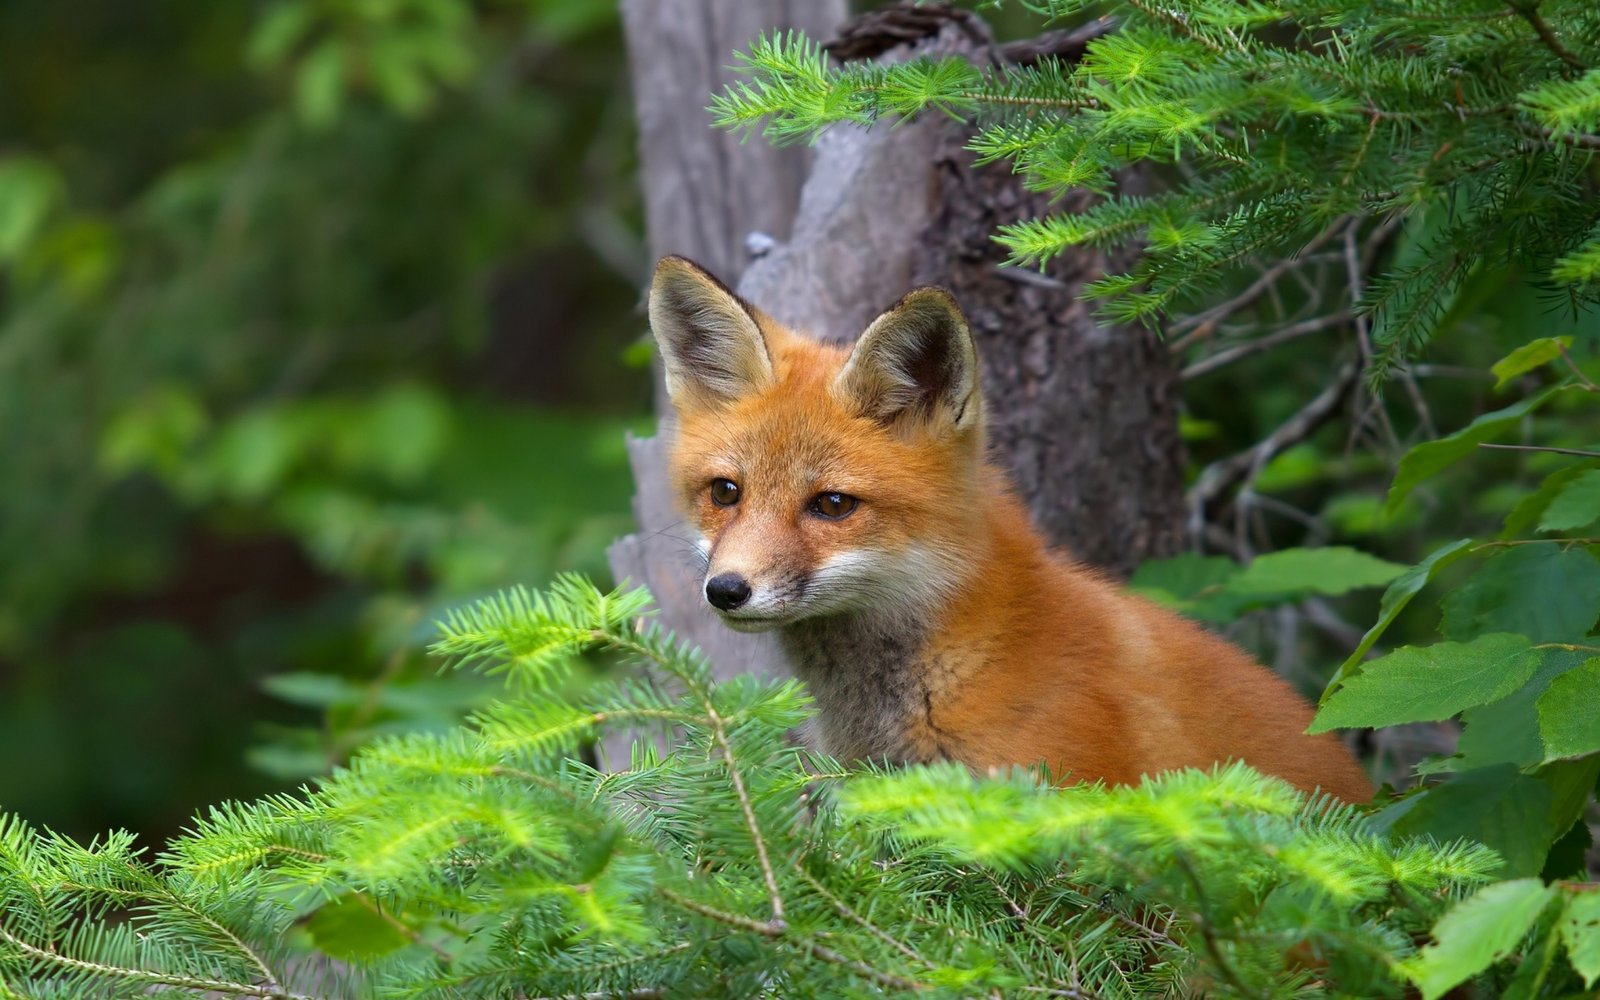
(727, 591)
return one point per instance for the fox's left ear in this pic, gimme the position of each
(711, 344)
(916, 365)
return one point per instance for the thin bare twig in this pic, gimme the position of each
(1583, 380)
(1356, 263)
(1202, 324)
(1581, 453)
(1229, 355)
(1221, 475)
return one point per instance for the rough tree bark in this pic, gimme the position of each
(1083, 414)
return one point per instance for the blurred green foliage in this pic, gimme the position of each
(311, 314)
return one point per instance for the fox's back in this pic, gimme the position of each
(1098, 683)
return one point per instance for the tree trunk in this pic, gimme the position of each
(1084, 415)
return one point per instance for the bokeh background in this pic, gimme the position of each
(318, 317)
(315, 317)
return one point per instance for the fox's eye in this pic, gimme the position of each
(724, 492)
(833, 505)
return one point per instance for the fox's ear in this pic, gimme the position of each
(711, 344)
(916, 364)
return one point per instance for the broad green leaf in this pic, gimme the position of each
(1525, 516)
(1189, 583)
(1428, 683)
(282, 27)
(1497, 806)
(1569, 855)
(1543, 591)
(1476, 933)
(1569, 713)
(30, 189)
(1406, 586)
(1507, 731)
(1572, 787)
(312, 690)
(1580, 932)
(319, 84)
(1331, 570)
(1576, 506)
(1533, 961)
(352, 928)
(1528, 357)
(1431, 457)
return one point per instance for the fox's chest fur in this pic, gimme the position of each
(870, 682)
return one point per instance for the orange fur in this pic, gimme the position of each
(934, 621)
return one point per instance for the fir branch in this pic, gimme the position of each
(191, 983)
(1528, 10)
(777, 930)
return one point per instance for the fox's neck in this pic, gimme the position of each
(877, 674)
(863, 672)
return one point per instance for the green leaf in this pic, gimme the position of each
(1572, 788)
(1569, 713)
(1497, 806)
(1525, 516)
(1334, 569)
(1580, 932)
(319, 85)
(1406, 586)
(351, 928)
(312, 690)
(29, 190)
(282, 27)
(1507, 731)
(1543, 591)
(1568, 857)
(1191, 584)
(1476, 933)
(1431, 457)
(1428, 683)
(1576, 506)
(1528, 357)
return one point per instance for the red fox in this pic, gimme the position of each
(845, 502)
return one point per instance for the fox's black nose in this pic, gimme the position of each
(727, 591)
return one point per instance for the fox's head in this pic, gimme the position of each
(823, 480)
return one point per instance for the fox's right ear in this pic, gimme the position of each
(711, 344)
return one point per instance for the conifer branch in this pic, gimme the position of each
(778, 931)
(192, 983)
(720, 736)
(1528, 10)
(844, 910)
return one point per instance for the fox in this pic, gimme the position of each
(845, 500)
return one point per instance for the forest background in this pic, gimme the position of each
(304, 344)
